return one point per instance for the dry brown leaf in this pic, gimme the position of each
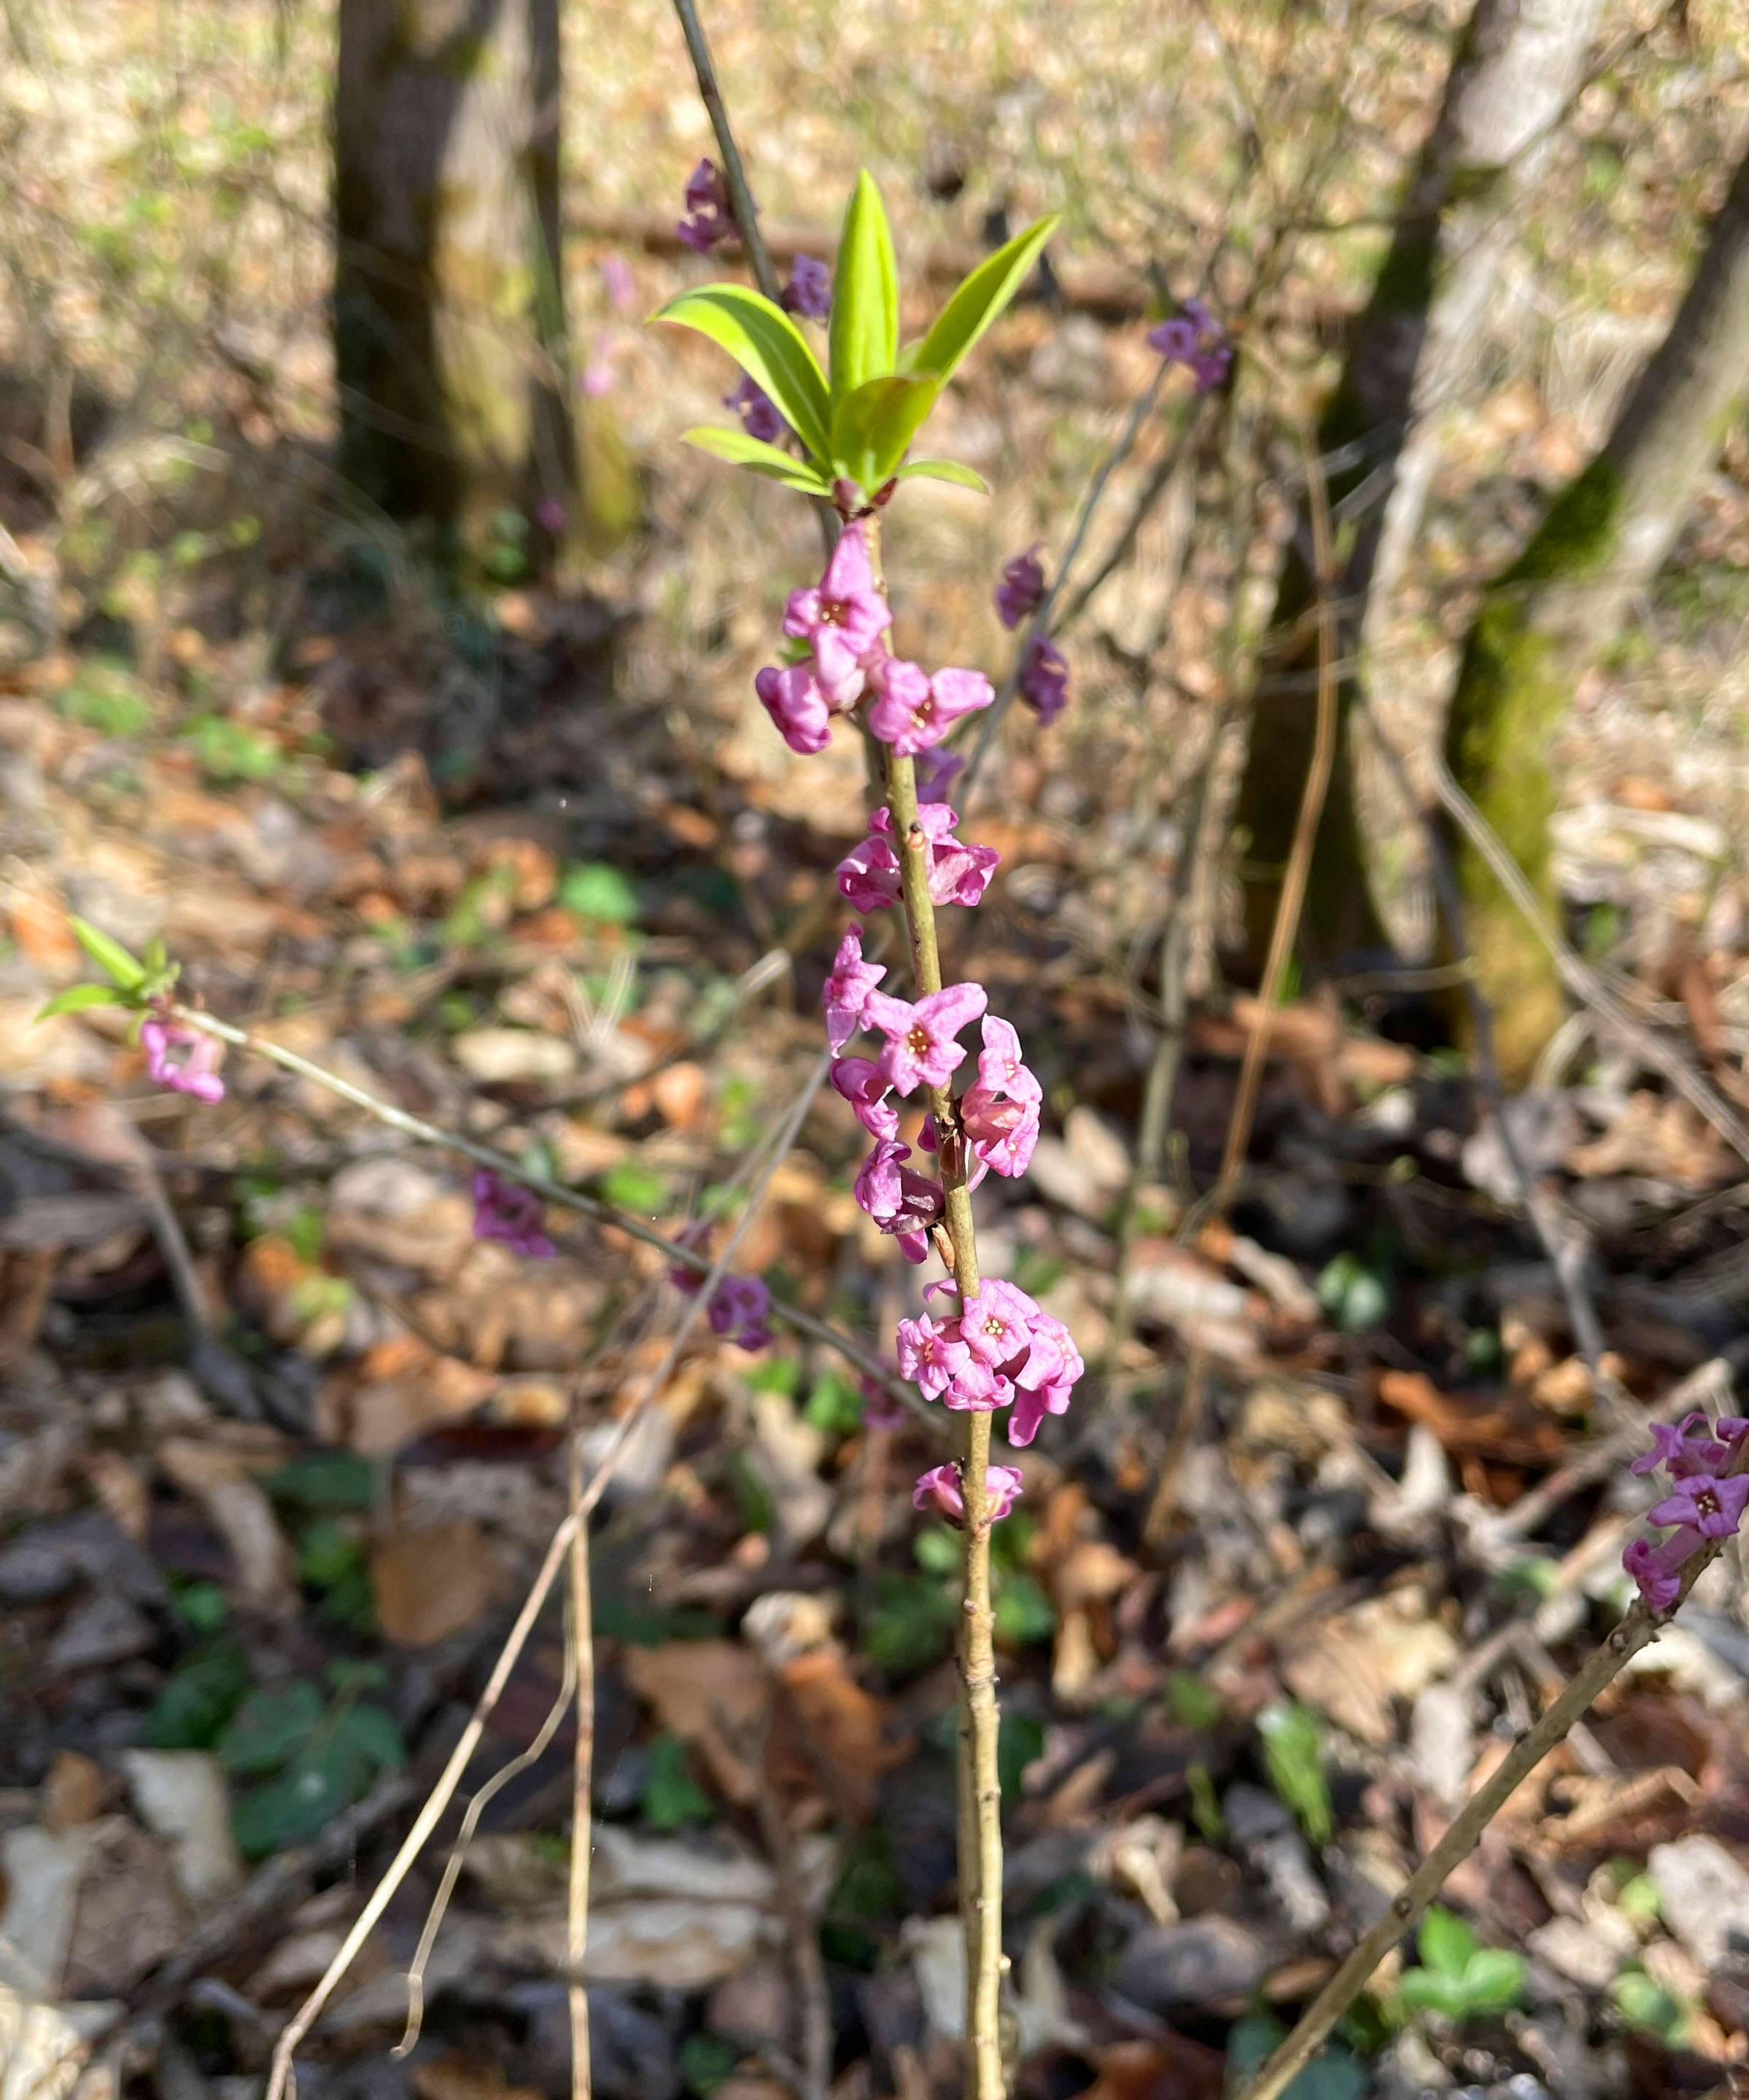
(1174, 2068)
(712, 1694)
(431, 1584)
(851, 1733)
(395, 1392)
(1353, 1665)
(1502, 1426)
(458, 2078)
(242, 1516)
(73, 1791)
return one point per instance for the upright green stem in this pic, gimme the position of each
(980, 1784)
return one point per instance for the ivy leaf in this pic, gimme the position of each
(1445, 1941)
(945, 470)
(872, 427)
(740, 450)
(77, 999)
(865, 322)
(269, 1727)
(769, 347)
(982, 296)
(109, 955)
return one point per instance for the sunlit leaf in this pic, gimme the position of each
(943, 469)
(981, 298)
(108, 954)
(865, 322)
(77, 999)
(740, 450)
(872, 427)
(769, 347)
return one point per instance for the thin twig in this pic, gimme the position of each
(734, 170)
(1636, 1630)
(573, 1527)
(813, 2075)
(512, 1169)
(581, 1666)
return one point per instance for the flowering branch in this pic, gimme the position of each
(1712, 1489)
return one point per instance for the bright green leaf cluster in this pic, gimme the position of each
(133, 983)
(1293, 1751)
(858, 425)
(1459, 1977)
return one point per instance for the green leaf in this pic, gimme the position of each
(1293, 1744)
(1645, 2003)
(78, 998)
(754, 453)
(672, 1798)
(369, 1735)
(596, 889)
(269, 1727)
(1493, 1979)
(1445, 1943)
(109, 955)
(864, 324)
(290, 1810)
(197, 1700)
(324, 1480)
(872, 427)
(935, 469)
(1023, 1613)
(1432, 1990)
(1020, 1738)
(769, 347)
(981, 298)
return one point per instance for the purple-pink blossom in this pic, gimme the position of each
(939, 1489)
(791, 695)
(847, 989)
(1021, 588)
(1679, 1451)
(913, 711)
(1658, 1569)
(999, 1112)
(936, 771)
(865, 1086)
(1193, 337)
(921, 1049)
(757, 411)
(185, 1060)
(1713, 1507)
(932, 1354)
(810, 290)
(695, 1236)
(841, 618)
(903, 1203)
(738, 1309)
(868, 875)
(709, 219)
(1044, 679)
(506, 1211)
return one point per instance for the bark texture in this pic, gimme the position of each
(448, 314)
(1513, 70)
(1562, 601)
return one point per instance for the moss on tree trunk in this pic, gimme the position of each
(1511, 71)
(1561, 604)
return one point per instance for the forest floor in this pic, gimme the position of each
(282, 1444)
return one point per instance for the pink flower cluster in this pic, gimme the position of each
(1001, 1349)
(739, 1307)
(1707, 1500)
(838, 626)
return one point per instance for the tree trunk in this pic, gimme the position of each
(449, 332)
(1512, 72)
(1561, 602)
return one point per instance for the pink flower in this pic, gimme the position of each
(912, 711)
(996, 1322)
(549, 515)
(1021, 588)
(796, 705)
(1713, 1507)
(738, 1310)
(620, 285)
(847, 989)
(939, 1489)
(842, 618)
(502, 1211)
(865, 1086)
(921, 1049)
(1031, 1407)
(707, 219)
(196, 1073)
(1044, 679)
(936, 772)
(1658, 1569)
(999, 1112)
(900, 1201)
(931, 1353)
(810, 290)
(1194, 338)
(757, 411)
(869, 875)
(1677, 1447)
